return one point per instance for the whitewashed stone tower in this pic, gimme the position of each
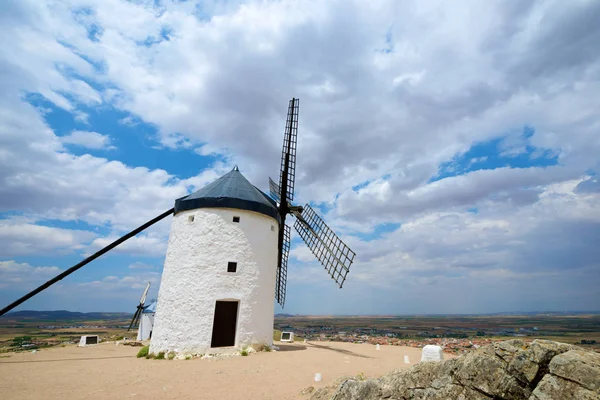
(218, 282)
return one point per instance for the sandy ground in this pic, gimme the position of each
(107, 371)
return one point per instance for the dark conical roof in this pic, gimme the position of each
(231, 190)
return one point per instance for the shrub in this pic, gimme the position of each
(171, 355)
(244, 352)
(160, 356)
(188, 357)
(143, 352)
(21, 340)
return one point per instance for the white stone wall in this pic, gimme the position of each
(195, 276)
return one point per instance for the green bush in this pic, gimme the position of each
(21, 340)
(143, 352)
(160, 356)
(244, 352)
(171, 355)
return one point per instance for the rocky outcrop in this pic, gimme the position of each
(514, 369)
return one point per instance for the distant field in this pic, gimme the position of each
(56, 328)
(46, 330)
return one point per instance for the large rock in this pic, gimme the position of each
(513, 369)
(572, 375)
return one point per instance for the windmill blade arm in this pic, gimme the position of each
(335, 256)
(84, 262)
(281, 280)
(137, 314)
(143, 299)
(274, 190)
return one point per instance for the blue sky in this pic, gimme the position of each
(457, 155)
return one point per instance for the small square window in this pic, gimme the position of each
(236, 219)
(191, 218)
(231, 266)
(272, 228)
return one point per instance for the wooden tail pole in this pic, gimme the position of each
(84, 262)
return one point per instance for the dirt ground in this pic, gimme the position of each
(108, 371)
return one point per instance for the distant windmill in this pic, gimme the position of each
(227, 256)
(140, 308)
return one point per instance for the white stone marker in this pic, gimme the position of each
(432, 353)
(406, 360)
(318, 377)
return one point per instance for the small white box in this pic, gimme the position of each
(287, 336)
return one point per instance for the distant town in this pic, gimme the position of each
(456, 334)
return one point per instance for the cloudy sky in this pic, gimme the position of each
(454, 146)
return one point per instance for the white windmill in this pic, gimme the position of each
(219, 276)
(144, 314)
(227, 255)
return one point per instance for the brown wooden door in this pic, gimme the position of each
(224, 324)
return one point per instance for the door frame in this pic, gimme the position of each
(237, 322)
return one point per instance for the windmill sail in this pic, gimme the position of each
(274, 190)
(329, 249)
(287, 177)
(282, 271)
(285, 195)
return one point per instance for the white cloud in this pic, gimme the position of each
(143, 244)
(499, 259)
(128, 120)
(89, 140)
(140, 265)
(114, 283)
(385, 200)
(455, 75)
(22, 275)
(20, 238)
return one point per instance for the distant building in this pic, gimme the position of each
(147, 322)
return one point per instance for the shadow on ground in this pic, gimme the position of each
(290, 347)
(64, 359)
(347, 352)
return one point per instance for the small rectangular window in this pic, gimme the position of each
(236, 219)
(191, 218)
(231, 266)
